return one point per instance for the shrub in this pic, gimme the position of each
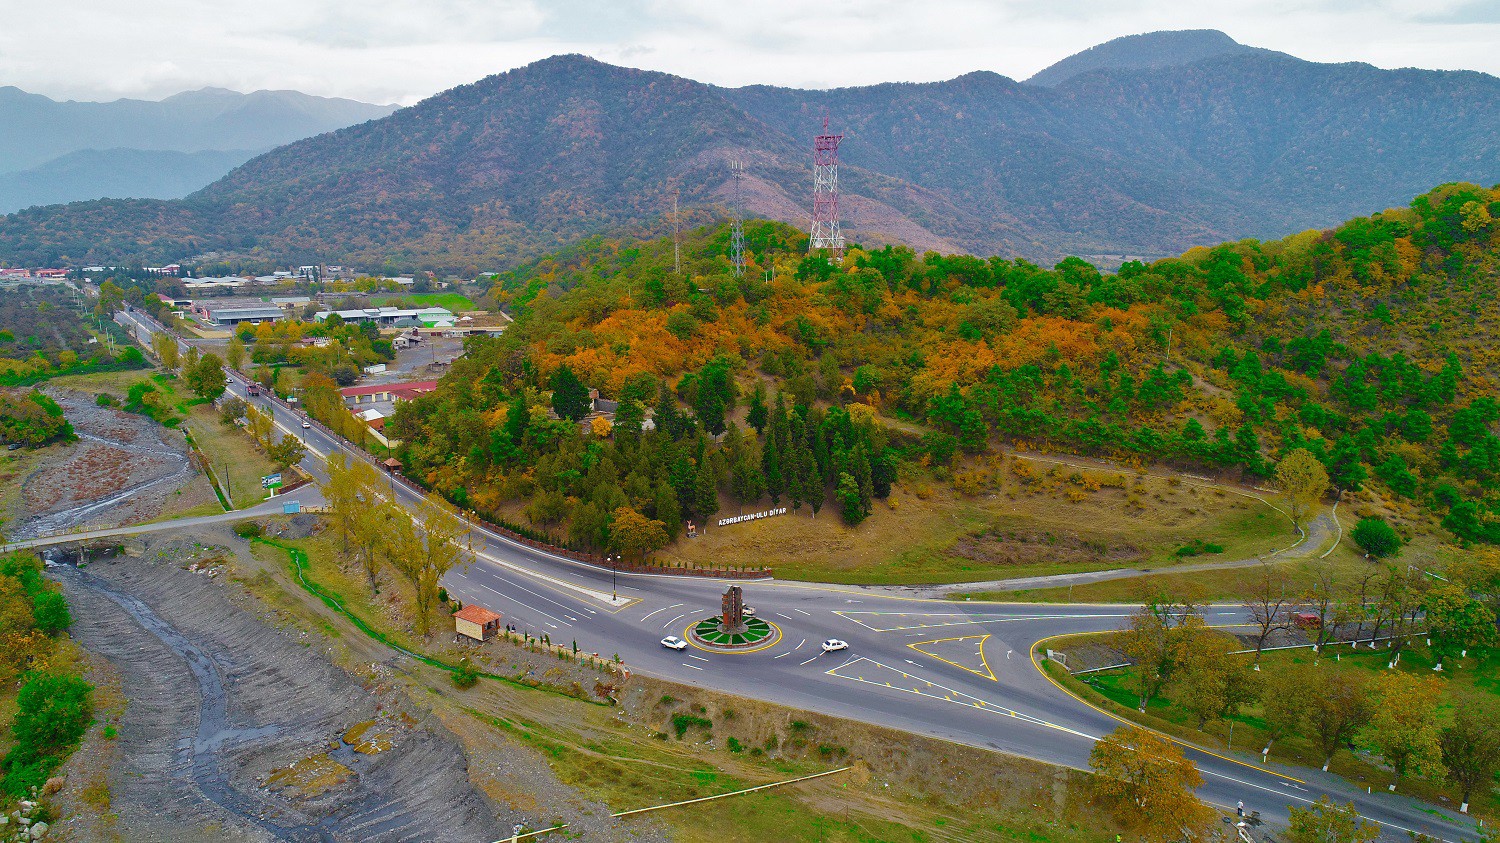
(1376, 537)
(735, 745)
(50, 610)
(52, 712)
(1198, 547)
(104, 399)
(682, 722)
(466, 675)
(247, 529)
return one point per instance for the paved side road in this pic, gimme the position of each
(308, 496)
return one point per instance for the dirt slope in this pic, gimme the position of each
(235, 729)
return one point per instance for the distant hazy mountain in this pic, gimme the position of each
(1249, 143)
(38, 129)
(1149, 51)
(117, 174)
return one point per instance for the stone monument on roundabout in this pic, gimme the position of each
(735, 628)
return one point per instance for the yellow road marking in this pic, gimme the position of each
(964, 699)
(988, 672)
(775, 639)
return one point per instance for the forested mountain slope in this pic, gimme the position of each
(1149, 50)
(1116, 161)
(1370, 345)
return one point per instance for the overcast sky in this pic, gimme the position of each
(401, 51)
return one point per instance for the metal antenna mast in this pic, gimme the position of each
(825, 221)
(737, 230)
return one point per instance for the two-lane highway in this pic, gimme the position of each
(959, 671)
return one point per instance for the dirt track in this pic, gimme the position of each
(235, 729)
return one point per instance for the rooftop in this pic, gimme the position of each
(416, 388)
(477, 614)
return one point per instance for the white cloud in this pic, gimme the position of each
(401, 51)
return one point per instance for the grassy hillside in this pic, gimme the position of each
(1368, 345)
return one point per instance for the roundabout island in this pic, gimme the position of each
(733, 629)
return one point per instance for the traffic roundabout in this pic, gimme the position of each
(751, 634)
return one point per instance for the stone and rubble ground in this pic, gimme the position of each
(236, 727)
(123, 469)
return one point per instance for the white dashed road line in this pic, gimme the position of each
(674, 620)
(662, 609)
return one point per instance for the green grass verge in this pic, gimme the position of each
(455, 302)
(1113, 691)
(298, 562)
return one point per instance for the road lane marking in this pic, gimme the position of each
(1036, 664)
(693, 666)
(803, 611)
(519, 603)
(787, 653)
(787, 617)
(674, 620)
(987, 673)
(811, 660)
(699, 658)
(933, 690)
(799, 644)
(662, 609)
(565, 606)
(967, 619)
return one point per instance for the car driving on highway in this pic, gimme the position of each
(672, 642)
(307, 425)
(833, 645)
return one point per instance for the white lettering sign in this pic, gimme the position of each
(724, 522)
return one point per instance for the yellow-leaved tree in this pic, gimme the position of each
(1148, 785)
(1302, 481)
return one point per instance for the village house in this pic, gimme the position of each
(476, 623)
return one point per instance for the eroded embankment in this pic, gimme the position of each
(237, 730)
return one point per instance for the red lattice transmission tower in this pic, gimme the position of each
(825, 220)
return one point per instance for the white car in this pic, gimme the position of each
(672, 642)
(834, 645)
(307, 425)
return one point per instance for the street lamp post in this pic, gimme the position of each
(614, 568)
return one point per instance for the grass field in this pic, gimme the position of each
(1228, 584)
(455, 302)
(233, 455)
(1113, 689)
(1059, 522)
(113, 383)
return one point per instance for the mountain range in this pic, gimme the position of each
(1146, 146)
(55, 151)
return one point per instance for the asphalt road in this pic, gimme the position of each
(959, 671)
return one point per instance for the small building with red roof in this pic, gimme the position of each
(476, 623)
